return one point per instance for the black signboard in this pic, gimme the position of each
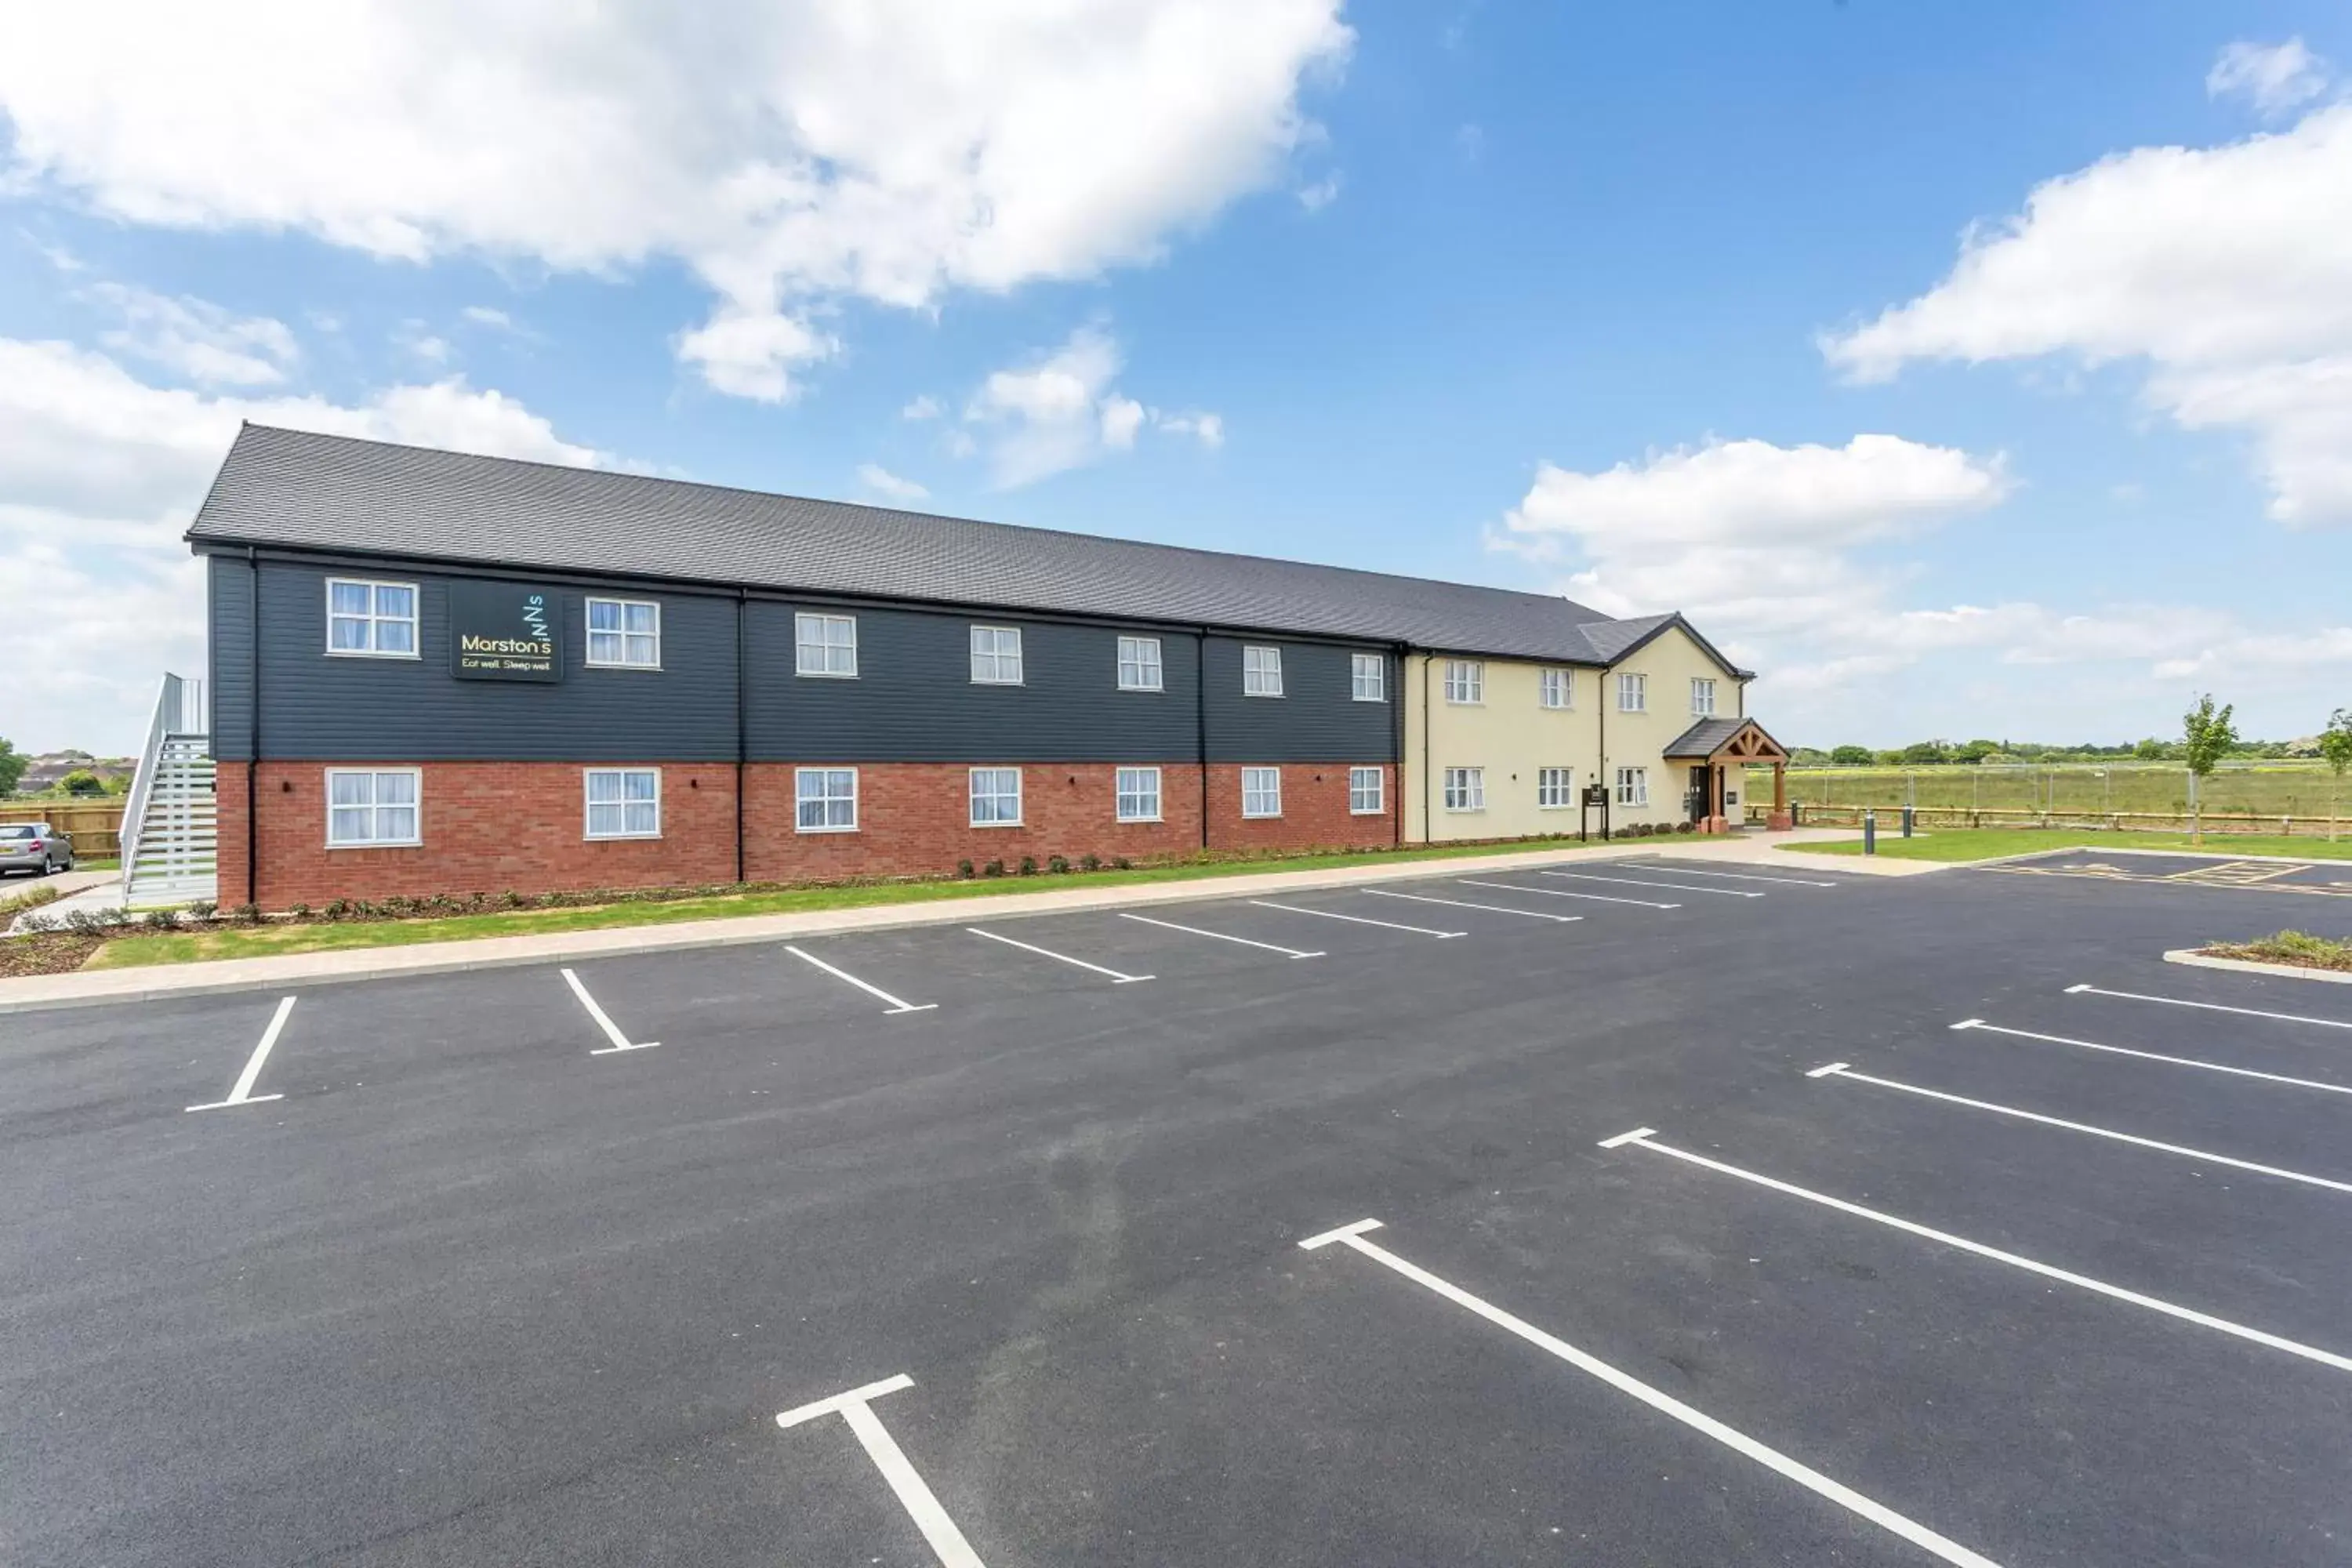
(1596, 794)
(505, 631)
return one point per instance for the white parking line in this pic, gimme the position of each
(1841, 1069)
(2157, 1057)
(1358, 919)
(243, 1093)
(1670, 887)
(895, 1004)
(1466, 904)
(1812, 1480)
(1680, 870)
(612, 1030)
(2208, 1007)
(1641, 1139)
(1568, 893)
(1116, 977)
(945, 1541)
(1217, 935)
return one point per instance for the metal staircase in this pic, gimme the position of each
(170, 823)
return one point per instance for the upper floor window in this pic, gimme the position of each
(1465, 680)
(1139, 664)
(1557, 689)
(371, 619)
(825, 645)
(996, 656)
(1702, 697)
(1261, 671)
(1368, 675)
(623, 803)
(1633, 694)
(625, 633)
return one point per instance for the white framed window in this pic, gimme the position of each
(373, 808)
(1261, 792)
(367, 619)
(1557, 689)
(1633, 694)
(1465, 680)
(623, 803)
(1465, 789)
(1702, 697)
(1632, 786)
(1261, 670)
(1555, 788)
(996, 656)
(1139, 664)
(825, 645)
(827, 800)
(625, 634)
(1367, 792)
(996, 797)
(1368, 676)
(1138, 794)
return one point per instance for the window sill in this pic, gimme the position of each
(1458, 703)
(1267, 696)
(1374, 811)
(1464, 810)
(824, 674)
(381, 844)
(1261, 817)
(367, 653)
(977, 826)
(1370, 700)
(1138, 821)
(979, 680)
(618, 838)
(851, 828)
(611, 664)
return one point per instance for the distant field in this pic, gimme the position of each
(2302, 790)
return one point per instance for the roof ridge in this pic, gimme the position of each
(251, 428)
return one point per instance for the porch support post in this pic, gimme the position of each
(1780, 821)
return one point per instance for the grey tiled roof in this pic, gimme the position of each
(1702, 738)
(297, 490)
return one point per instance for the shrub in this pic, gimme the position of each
(1091, 862)
(1028, 865)
(1121, 862)
(510, 900)
(993, 869)
(298, 911)
(248, 913)
(963, 870)
(1059, 864)
(202, 909)
(1684, 828)
(337, 908)
(163, 919)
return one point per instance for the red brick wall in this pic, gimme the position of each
(1315, 814)
(490, 827)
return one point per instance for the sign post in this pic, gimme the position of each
(1594, 795)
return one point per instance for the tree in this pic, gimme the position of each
(1978, 750)
(12, 764)
(81, 781)
(118, 783)
(2335, 745)
(2149, 750)
(1851, 757)
(2205, 736)
(1923, 753)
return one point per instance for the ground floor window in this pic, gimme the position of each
(1367, 789)
(623, 803)
(373, 806)
(1553, 791)
(1465, 789)
(996, 797)
(1632, 786)
(1138, 794)
(1261, 792)
(828, 799)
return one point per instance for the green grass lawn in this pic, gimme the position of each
(1961, 844)
(261, 941)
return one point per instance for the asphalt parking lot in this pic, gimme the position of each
(522, 1267)
(2261, 873)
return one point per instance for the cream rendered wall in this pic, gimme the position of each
(1671, 660)
(1510, 734)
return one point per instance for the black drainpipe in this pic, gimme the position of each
(1200, 722)
(1601, 701)
(253, 734)
(1396, 724)
(1428, 806)
(742, 595)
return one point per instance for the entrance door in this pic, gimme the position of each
(1701, 793)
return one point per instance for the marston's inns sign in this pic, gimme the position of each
(504, 631)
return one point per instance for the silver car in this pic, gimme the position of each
(34, 846)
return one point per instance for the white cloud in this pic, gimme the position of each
(1060, 411)
(1321, 193)
(789, 154)
(2227, 269)
(194, 339)
(2274, 78)
(1209, 429)
(882, 481)
(923, 407)
(490, 316)
(101, 472)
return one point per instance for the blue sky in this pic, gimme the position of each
(1662, 307)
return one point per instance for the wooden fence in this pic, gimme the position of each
(1890, 820)
(96, 825)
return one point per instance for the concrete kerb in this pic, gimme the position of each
(2195, 960)
(100, 987)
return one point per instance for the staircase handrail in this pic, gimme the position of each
(168, 701)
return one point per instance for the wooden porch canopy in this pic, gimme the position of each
(1726, 741)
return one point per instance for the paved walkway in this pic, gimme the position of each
(82, 890)
(92, 987)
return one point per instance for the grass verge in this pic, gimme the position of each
(1963, 844)
(218, 941)
(2299, 948)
